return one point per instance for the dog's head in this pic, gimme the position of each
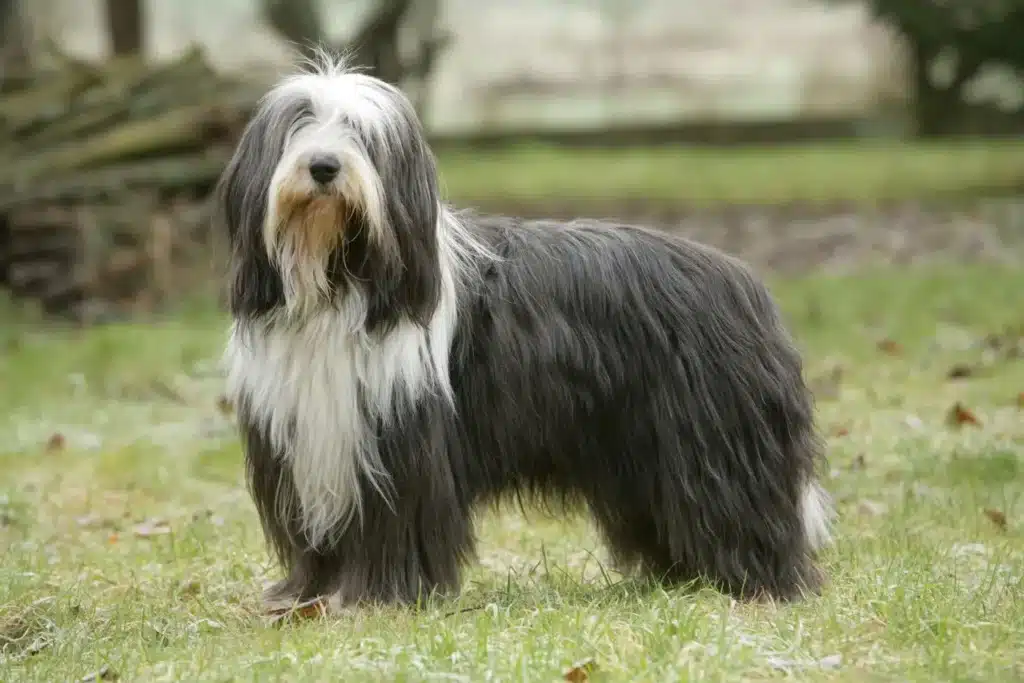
(332, 193)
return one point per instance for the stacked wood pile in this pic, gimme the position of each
(104, 170)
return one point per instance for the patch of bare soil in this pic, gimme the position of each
(795, 239)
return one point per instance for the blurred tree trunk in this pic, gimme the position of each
(376, 43)
(938, 109)
(14, 52)
(299, 22)
(424, 19)
(126, 26)
(375, 46)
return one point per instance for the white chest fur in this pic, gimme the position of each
(318, 388)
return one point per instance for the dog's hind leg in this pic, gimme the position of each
(751, 530)
(746, 531)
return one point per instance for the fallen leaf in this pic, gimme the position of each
(112, 538)
(960, 371)
(1020, 400)
(890, 347)
(310, 609)
(55, 443)
(959, 415)
(840, 430)
(224, 406)
(155, 527)
(580, 671)
(105, 673)
(998, 517)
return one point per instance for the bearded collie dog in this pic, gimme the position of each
(395, 364)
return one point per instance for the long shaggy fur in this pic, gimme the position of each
(395, 364)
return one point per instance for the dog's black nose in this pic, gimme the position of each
(324, 169)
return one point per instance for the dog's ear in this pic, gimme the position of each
(412, 205)
(241, 198)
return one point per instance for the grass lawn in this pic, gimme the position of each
(863, 172)
(129, 545)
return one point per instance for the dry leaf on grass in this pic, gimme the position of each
(890, 347)
(998, 517)
(153, 527)
(55, 443)
(224, 406)
(580, 671)
(960, 415)
(296, 611)
(960, 371)
(840, 430)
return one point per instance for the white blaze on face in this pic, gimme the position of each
(348, 115)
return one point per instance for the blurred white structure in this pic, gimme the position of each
(573, 63)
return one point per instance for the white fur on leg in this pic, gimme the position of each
(816, 513)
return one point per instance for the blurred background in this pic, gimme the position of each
(798, 133)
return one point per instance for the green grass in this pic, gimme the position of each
(866, 172)
(924, 585)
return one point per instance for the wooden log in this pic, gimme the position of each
(103, 181)
(188, 128)
(50, 98)
(139, 91)
(24, 277)
(41, 244)
(177, 174)
(63, 296)
(48, 112)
